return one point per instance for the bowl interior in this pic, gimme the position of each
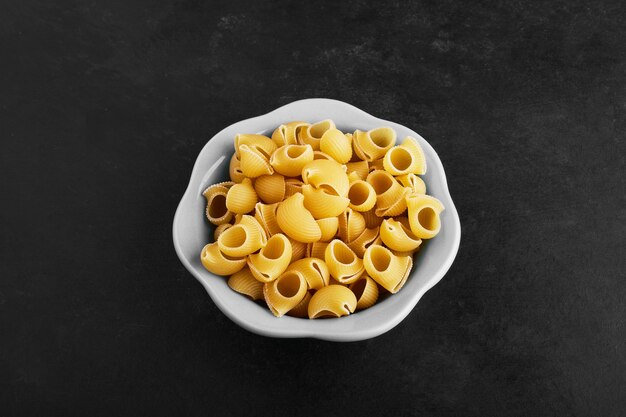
(192, 231)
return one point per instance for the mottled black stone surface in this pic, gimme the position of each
(105, 105)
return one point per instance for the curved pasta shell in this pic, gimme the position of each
(361, 168)
(302, 309)
(378, 164)
(285, 292)
(388, 190)
(218, 263)
(417, 153)
(265, 214)
(350, 225)
(321, 204)
(332, 301)
(298, 249)
(244, 283)
(290, 159)
(262, 143)
(361, 195)
(366, 292)
(398, 237)
(312, 134)
(342, 262)
(314, 271)
(424, 211)
(254, 162)
(397, 208)
(326, 175)
(413, 182)
(296, 221)
(316, 250)
(399, 161)
(371, 219)
(328, 226)
(216, 210)
(270, 188)
(404, 253)
(241, 198)
(292, 186)
(220, 229)
(373, 144)
(337, 145)
(365, 240)
(321, 155)
(286, 134)
(234, 169)
(387, 269)
(272, 260)
(243, 238)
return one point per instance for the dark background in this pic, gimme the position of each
(104, 107)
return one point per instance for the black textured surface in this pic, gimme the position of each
(105, 105)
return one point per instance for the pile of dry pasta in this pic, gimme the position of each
(316, 222)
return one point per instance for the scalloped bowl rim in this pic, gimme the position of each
(382, 317)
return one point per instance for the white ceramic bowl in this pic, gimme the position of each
(191, 231)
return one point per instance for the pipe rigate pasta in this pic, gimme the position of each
(265, 214)
(292, 186)
(261, 143)
(301, 310)
(350, 225)
(244, 283)
(220, 229)
(373, 144)
(328, 226)
(387, 269)
(285, 292)
(342, 262)
(312, 134)
(298, 249)
(366, 292)
(316, 250)
(272, 260)
(241, 198)
(218, 263)
(243, 238)
(296, 221)
(314, 271)
(388, 189)
(337, 145)
(287, 134)
(371, 219)
(234, 169)
(424, 211)
(361, 195)
(270, 188)
(325, 175)
(417, 153)
(398, 237)
(366, 239)
(332, 301)
(321, 155)
(396, 208)
(254, 162)
(321, 204)
(216, 210)
(361, 168)
(413, 182)
(289, 160)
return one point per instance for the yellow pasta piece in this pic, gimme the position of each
(261, 143)
(244, 283)
(342, 262)
(361, 168)
(424, 211)
(220, 229)
(314, 271)
(413, 182)
(234, 169)
(398, 237)
(387, 269)
(298, 249)
(290, 159)
(417, 153)
(378, 164)
(265, 214)
(218, 263)
(254, 162)
(216, 210)
(325, 175)
(361, 195)
(332, 301)
(373, 144)
(285, 292)
(404, 253)
(396, 208)
(287, 134)
(350, 225)
(241, 198)
(366, 292)
(270, 188)
(388, 190)
(337, 145)
(296, 221)
(302, 309)
(321, 204)
(321, 155)
(366, 239)
(316, 250)
(328, 226)
(272, 260)
(243, 238)
(292, 186)
(312, 134)
(371, 219)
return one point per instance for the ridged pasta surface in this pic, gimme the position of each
(332, 301)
